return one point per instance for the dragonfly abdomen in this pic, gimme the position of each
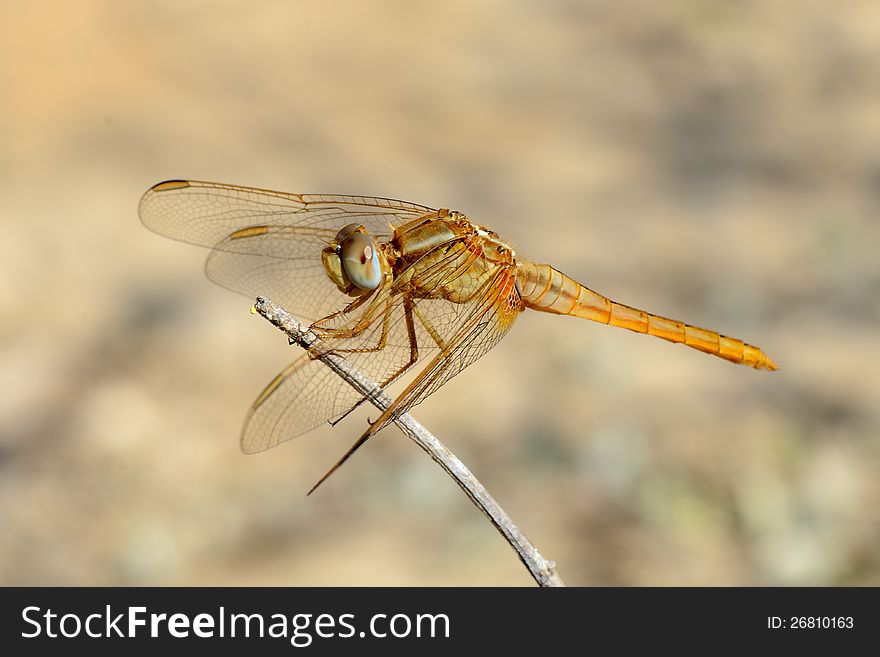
(547, 289)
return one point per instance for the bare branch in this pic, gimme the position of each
(542, 570)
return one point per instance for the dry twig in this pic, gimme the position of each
(542, 570)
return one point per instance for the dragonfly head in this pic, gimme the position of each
(352, 261)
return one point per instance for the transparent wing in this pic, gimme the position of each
(303, 396)
(307, 392)
(492, 310)
(265, 242)
(269, 243)
(479, 324)
(204, 213)
(297, 282)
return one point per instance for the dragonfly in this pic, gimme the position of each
(395, 287)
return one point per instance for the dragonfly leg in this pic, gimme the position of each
(430, 371)
(367, 434)
(354, 332)
(430, 328)
(359, 327)
(354, 305)
(383, 340)
(366, 319)
(433, 371)
(408, 308)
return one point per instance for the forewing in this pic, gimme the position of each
(307, 392)
(204, 213)
(286, 267)
(268, 243)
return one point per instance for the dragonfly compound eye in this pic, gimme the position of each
(360, 261)
(345, 231)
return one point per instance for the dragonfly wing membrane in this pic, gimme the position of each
(270, 243)
(304, 395)
(479, 324)
(205, 213)
(297, 282)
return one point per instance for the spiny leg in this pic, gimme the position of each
(429, 327)
(354, 305)
(383, 340)
(432, 371)
(362, 324)
(383, 336)
(408, 308)
(429, 370)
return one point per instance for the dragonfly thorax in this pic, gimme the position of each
(494, 248)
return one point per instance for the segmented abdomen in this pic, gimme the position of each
(547, 289)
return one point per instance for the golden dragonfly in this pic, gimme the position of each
(393, 286)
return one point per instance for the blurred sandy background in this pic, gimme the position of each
(717, 162)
